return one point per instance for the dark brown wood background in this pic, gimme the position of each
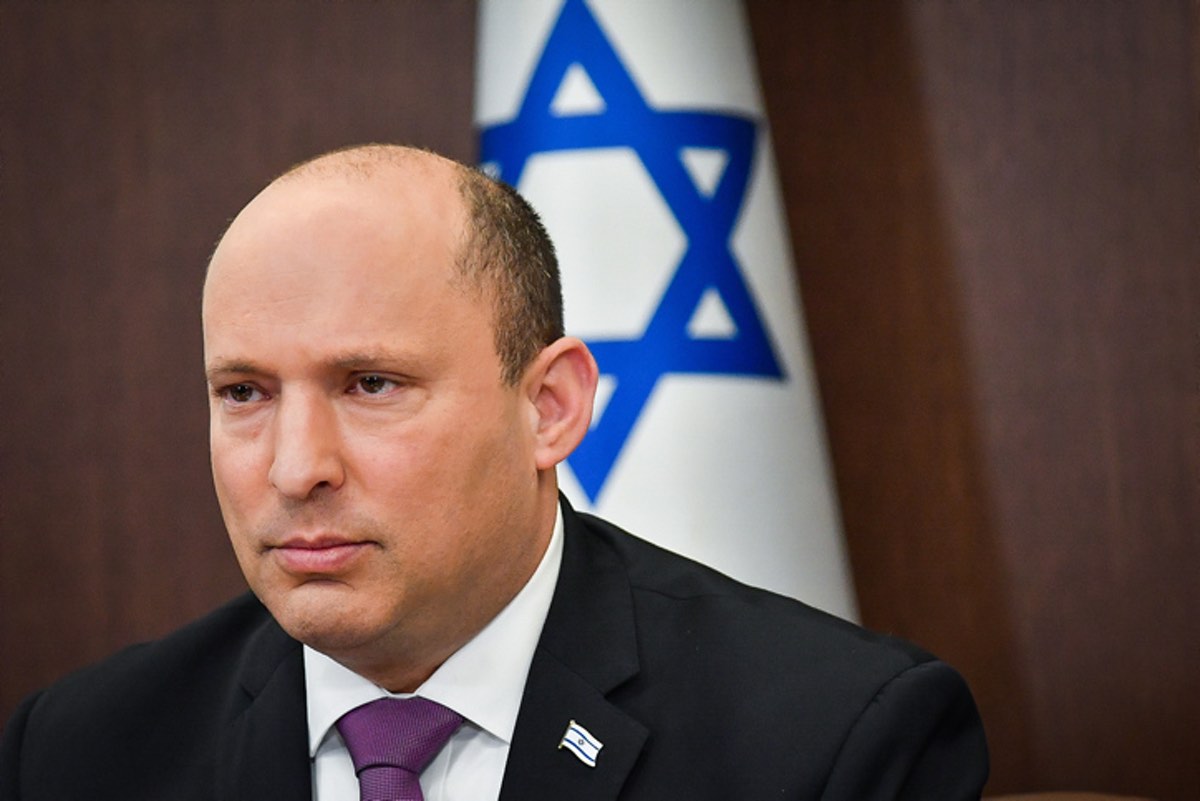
(995, 210)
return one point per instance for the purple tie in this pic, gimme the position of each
(391, 741)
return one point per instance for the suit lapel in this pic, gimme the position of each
(587, 648)
(265, 753)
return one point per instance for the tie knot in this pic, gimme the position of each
(403, 733)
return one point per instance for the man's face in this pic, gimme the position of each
(376, 476)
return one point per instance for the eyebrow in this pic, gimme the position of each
(363, 359)
(351, 361)
(223, 367)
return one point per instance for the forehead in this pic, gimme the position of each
(412, 199)
(341, 257)
(345, 226)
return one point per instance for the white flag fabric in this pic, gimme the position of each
(636, 129)
(582, 743)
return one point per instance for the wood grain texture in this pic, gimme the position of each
(994, 209)
(131, 133)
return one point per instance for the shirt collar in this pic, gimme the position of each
(483, 681)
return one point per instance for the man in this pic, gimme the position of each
(390, 393)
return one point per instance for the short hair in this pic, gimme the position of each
(506, 253)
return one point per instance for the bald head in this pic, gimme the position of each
(389, 397)
(366, 162)
(498, 246)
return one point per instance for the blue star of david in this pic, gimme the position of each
(708, 264)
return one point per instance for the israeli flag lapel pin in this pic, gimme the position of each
(580, 742)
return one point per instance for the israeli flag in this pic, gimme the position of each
(637, 131)
(580, 742)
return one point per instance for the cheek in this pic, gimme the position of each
(448, 490)
(423, 464)
(235, 477)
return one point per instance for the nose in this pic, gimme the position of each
(308, 453)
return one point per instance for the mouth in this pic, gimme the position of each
(318, 556)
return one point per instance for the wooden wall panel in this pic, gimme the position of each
(131, 132)
(994, 208)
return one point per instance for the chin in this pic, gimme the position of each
(324, 615)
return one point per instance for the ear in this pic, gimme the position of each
(560, 385)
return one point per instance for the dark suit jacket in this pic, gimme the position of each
(697, 686)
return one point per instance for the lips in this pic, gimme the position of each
(320, 555)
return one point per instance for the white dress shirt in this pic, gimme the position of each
(483, 681)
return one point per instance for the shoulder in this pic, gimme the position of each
(196, 656)
(814, 698)
(148, 697)
(708, 608)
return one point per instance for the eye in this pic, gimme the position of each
(374, 384)
(239, 394)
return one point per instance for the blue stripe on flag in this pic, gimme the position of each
(581, 743)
